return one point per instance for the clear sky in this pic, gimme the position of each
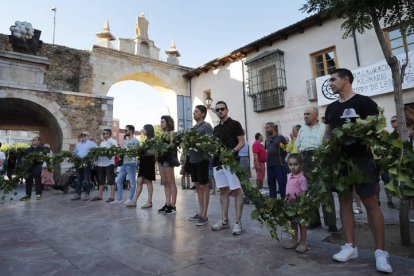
(202, 30)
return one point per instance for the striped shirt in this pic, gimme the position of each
(310, 138)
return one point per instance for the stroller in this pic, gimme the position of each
(66, 180)
(69, 179)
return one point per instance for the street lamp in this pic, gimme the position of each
(208, 101)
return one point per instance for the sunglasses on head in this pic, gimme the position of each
(220, 109)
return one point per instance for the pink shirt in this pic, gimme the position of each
(296, 185)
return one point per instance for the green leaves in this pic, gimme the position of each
(276, 214)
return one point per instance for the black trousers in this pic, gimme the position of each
(37, 177)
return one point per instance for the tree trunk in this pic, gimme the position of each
(399, 107)
(404, 222)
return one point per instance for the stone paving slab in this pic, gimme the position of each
(57, 236)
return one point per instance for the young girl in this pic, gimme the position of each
(296, 185)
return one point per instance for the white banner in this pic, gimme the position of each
(371, 80)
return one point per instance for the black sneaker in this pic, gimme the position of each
(333, 229)
(24, 198)
(162, 210)
(170, 210)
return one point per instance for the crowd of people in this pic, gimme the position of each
(285, 160)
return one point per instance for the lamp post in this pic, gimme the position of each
(208, 101)
(54, 23)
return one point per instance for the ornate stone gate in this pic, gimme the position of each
(61, 91)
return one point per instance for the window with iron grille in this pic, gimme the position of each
(266, 80)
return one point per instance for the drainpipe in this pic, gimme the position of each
(244, 104)
(244, 98)
(190, 91)
(356, 48)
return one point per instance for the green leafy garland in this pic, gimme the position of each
(278, 213)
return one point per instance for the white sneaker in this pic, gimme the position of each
(347, 252)
(264, 191)
(222, 224)
(237, 228)
(128, 201)
(116, 202)
(382, 259)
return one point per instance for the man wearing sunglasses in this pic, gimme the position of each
(83, 174)
(231, 134)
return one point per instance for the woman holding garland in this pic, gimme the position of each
(146, 170)
(166, 164)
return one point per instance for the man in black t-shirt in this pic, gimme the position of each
(231, 134)
(348, 107)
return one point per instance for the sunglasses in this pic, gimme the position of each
(220, 109)
(104, 133)
(393, 121)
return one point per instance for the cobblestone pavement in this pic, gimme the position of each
(57, 236)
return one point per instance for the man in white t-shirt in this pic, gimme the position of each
(106, 167)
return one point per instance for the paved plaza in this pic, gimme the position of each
(57, 236)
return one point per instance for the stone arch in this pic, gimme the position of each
(28, 111)
(111, 66)
(164, 89)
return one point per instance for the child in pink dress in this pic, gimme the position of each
(296, 185)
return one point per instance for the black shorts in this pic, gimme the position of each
(106, 174)
(199, 172)
(371, 186)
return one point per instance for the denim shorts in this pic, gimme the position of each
(164, 164)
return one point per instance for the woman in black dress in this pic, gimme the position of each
(146, 171)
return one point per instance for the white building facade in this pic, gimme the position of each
(273, 79)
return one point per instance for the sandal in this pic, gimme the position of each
(131, 205)
(96, 198)
(147, 205)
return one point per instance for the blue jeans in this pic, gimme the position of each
(130, 170)
(83, 176)
(279, 174)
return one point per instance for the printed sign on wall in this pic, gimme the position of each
(371, 80)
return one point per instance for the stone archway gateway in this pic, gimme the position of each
(63, 91)
(112, 66)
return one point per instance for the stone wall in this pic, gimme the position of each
(69, 68)
(78, 112)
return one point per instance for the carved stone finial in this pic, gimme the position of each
(106, 33)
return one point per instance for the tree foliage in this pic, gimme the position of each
(360, 15)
